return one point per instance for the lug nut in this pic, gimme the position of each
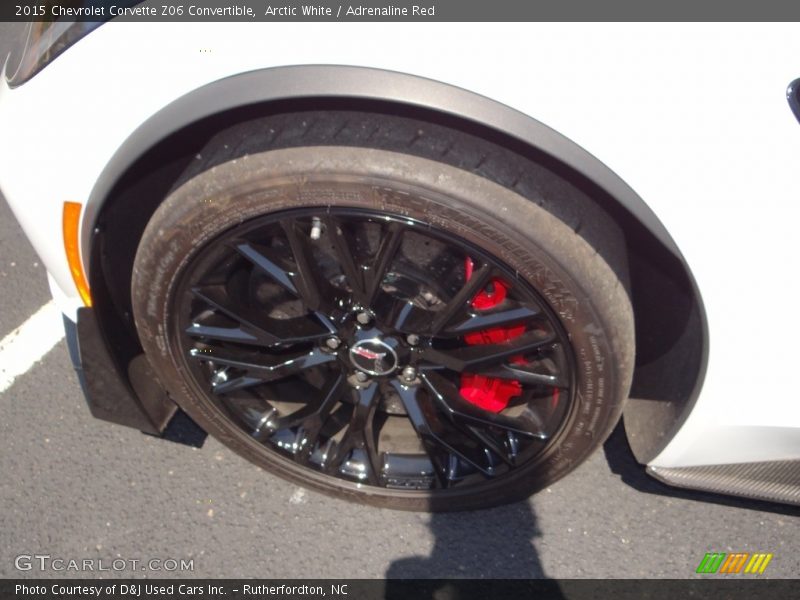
(409, 373)
(316, 228)
(364, 318)
(219, 377)
(362, 377)
(412, 339)
(333, 343)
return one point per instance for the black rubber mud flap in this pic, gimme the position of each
(109, 395)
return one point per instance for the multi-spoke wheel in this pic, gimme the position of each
(383, 326)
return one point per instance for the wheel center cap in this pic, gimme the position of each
(374, 357)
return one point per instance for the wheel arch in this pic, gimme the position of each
(672, 334)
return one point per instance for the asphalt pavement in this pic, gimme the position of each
(75, 488)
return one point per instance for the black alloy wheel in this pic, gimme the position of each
(383, 327)
(360, 345)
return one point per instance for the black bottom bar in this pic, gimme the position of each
(715, 587)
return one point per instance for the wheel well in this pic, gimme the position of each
(670, 326)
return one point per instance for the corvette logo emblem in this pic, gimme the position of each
(373, 356)
(368, 354)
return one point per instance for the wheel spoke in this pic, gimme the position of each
(383, 259)
(400, 314)
(247, 332)
(347, 262)
(254, 326)
(255, 373)
(480, 277)
(479, 321)
(438, 452)
(265, 259)
(310, 287)
(451, 401)
(257, 413)
(358, 441)
(317, 410)
(524, 376)
(474, 359)
(437, 438)
(310, 418)
(236, 383)
(486, 439)
(226, 334)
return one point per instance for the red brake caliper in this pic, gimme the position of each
(489, 393)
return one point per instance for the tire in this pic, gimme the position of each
(485, 360)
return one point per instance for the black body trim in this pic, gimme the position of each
(105, 387)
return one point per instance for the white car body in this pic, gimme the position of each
(693, 117)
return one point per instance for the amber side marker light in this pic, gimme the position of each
(71, 223)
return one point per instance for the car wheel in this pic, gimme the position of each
(380, 325)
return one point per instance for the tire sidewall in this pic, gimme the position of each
(578, 286)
